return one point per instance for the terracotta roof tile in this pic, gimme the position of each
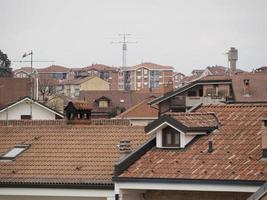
(195, 120)
(236, 156)
(140, 110)
(151, 66)
(53, 69)
(82, 105)
(62, 154)
(100, 67)
(124, 99)
(13, 89)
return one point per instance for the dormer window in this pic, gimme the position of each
(177, 130)
(103, 104)
(170, 137)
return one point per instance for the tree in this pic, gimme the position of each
(5, 70)
(47, 87)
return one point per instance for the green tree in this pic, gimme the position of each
(5, 70)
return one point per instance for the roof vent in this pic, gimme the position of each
(124, 148)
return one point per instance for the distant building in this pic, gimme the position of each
(207, 90)
(140, 114)
(72, 87)
(12, 89)
(107, 104)
(54, 71)
(107, 73)
(28, 109)
(144, 75)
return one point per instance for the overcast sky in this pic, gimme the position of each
(186, 34)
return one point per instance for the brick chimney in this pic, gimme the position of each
(264, 137)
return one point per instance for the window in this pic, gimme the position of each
(154, 79)
(145, 71)
(103, 104)
(14, 152)
(170, 137)
(25, 117)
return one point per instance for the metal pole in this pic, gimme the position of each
(31, 82)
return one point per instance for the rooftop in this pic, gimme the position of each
(236, 156)
(140, 110)
(64, 154)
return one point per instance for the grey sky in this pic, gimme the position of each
(186, 34)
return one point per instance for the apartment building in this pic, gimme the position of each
(107, 73)
(144, 75)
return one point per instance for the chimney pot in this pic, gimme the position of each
(210, 149)
(264, 138)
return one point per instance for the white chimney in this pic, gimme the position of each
(232, 59)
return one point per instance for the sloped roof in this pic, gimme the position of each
(151, 66)
(13, 89)
(195, 120)
(65, 154)
(236, 156)
(27, 70)
(78, 81)
(53, 69)
(140, 110)
(257, 87)
(217, 70)
(186, 122)
(100, 67)
(119, 98)
(80, 105)
(35, 102)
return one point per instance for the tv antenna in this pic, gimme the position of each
(124, 41)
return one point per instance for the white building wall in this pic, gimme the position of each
(24, 108)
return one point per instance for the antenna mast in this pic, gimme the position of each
(124, 43)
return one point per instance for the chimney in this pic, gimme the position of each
(124, 148)
(210, 146)
(232, 58)
(264, 137)
(246, 87)
(167, 87)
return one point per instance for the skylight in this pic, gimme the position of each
(14, 152)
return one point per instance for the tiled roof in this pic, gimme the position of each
(53, 69)
(119, 98)
(13, 89)
(100, 67)
(195, 120)
(257, 87)
(151, 66)
(140, 110)
(82, 105)
(236, 156)
(64, 154)
(217, 70)
(24, 69)
(216, 78)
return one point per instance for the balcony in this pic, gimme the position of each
(192, 101)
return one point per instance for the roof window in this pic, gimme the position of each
(14, 152)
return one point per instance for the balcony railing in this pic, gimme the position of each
(191, 101)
